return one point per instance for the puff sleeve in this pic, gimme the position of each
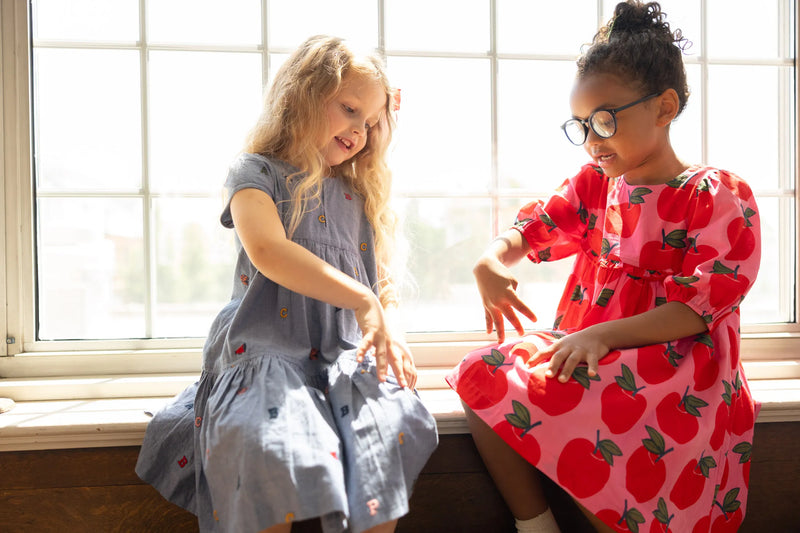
(723, 253)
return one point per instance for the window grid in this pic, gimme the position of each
(787, 190)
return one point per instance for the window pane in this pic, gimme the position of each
(443, 139)
(745, 139)
(686, 132)
(91, 268)
(771, 299)
(761, 20)
(545, 27)
(195, 259)
(292, 21)
(204, 21)
(444, 25)
(86, 20)
(201, 107)
(88, 119)
(533, 102)
(446, 236)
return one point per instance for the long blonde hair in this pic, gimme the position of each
(293, 121)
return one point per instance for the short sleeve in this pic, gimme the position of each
(554, 228)
(250, 171)
(723, 252)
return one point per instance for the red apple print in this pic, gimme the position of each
(702, 525)
(662, 518)
(696, 255)
(731, 517)
(739, 187)
(677, 416)
(636, 295)
(621, 405)
(622, 219)
(741, 409)
(562, 215)
(584, 468)
(556, 398)
(726, 285)
(657, 363)
(687, 282)
(724, 481)
(645, 471)
(706, 366)
(733, 346)
(721, 425)
(515, 430)
(741, 238)
(481, 385)
(674, 199)
(593, 236)
(666, 254)
(628, 521)
(610, 357)
(691, 482)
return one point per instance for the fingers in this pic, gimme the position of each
(397, 364)
(524, 309)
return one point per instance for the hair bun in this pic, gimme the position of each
(635, 17)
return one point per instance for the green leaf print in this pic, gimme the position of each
(495, 358)
(637, 196)
(662, 513)
(627, 381)
(581, 375)
(675, 238)
(745, 450)
(605, 295)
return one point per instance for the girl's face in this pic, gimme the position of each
(637, 147)
(355, 109)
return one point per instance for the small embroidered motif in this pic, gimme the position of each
(208, 452)
(284, 312)
(189, 406)
(183, 461)
(373, 505)
(241, 349)
(313, 354)
(355, 271)
(197, 421)
(216, 516)
(321, 218)
(289, 517)
(273, 412)
(400, 438)
(348, 196)
(363, 247)
(242, 390)
(245, 280)
(333, 454)
(345, 409)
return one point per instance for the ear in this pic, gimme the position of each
(669, 103)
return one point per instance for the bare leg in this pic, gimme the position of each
(515, 478)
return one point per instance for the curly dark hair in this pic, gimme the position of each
(638, 45)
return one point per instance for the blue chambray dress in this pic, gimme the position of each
(284, 424)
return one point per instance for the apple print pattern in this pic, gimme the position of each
(661, 439)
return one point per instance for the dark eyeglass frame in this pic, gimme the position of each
(588, 122)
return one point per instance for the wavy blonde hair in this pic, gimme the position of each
(293, 124)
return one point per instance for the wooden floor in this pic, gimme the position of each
(96, 490)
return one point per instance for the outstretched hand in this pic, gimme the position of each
(498, 289)
(583, 346)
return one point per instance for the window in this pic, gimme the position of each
(119, 126)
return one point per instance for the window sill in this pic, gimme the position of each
(89, 423)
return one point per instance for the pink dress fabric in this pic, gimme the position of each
(661, 439)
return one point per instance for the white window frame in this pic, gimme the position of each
(35, 370)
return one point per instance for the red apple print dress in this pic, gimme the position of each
(660, 439)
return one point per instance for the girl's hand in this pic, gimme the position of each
(409, 367)
(585, 346)
(497, 286)
(376, 337)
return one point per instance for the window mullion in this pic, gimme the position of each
(148, 219)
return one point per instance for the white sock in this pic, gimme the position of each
(543, 523)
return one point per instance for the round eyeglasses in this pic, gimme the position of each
(603, 123)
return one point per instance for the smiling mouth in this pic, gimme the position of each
(346, 143)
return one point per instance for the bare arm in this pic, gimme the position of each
(666, 322)
(497, 285)
(288, 264)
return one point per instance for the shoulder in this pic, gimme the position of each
(721, 183)
(589, 182)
